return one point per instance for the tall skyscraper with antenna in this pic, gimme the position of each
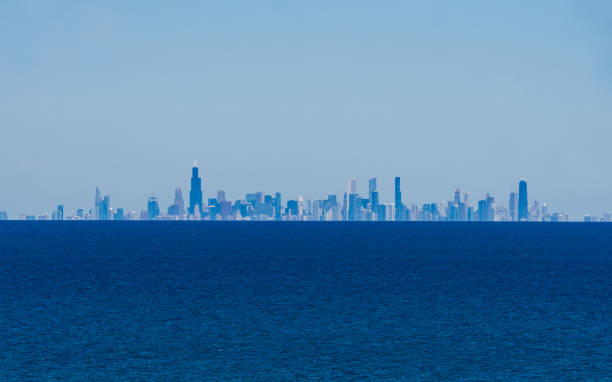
(195, 194)
(399, 207)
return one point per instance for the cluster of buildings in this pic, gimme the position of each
(350, 207)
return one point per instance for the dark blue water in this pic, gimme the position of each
(286, 301)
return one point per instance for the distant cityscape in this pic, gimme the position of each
(350, 207)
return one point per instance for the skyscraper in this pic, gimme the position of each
(374, 201)
(352, 186)
(512, 206)
(103, 210)
(371, 188)
(399, 210)
(97, 201)
(523, 213)
(277, 206)
(178, 201)
(220, 196)
(178, 208)
(195, 194)
(152, 207)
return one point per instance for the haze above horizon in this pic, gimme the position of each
(298, 97)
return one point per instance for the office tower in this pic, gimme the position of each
(97, 201)
(152, 208)
(105, 208)
(178, 208)
(482, 210)
(399, 210)
(251, 198)
(277, 206)
(457, 199)
(381, 214)
(102, 210)
(259, 197)
(3, 215)
(179, 202)
(225, 209)
(195, 194)
(523, 213)
(470, 214)
(80, 213)
(435, 212)
(220, 196)
(173, 210)
(512, 206)
(354, 207)
(545, 210)
(58, 214)
(452, 212)
(292, 207)
(332, 200)
(371, 188)
(535, 210)
(490, 205)
(352, 186)
(119, 214)
(461, 212)
(374, 201)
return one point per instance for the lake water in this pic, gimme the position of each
(305, 301)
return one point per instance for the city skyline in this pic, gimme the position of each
(350, 206)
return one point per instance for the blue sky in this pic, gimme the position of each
(298, 96)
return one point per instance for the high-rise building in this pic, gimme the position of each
(545, 210)
(354, 208)
(371, 188)
(352, 186)
(3, 215)
(179, 202)
(457, 199)
(277, 206)
(535, 211)
(523, 213)
(195, 194)
(220, 196)
(292, 207)
(490, 204)
(102, 211)
(259, 197)
(374, 201)
(152, 208)
(58, 214)
(97, 201)
(399, 210)
(513, 206)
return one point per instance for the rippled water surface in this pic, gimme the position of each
(286, 301)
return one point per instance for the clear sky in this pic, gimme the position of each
(298, 96)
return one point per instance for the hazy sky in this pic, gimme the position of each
(298, 96)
